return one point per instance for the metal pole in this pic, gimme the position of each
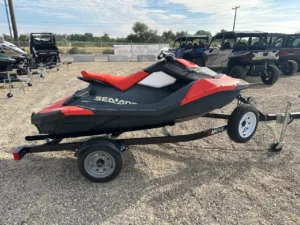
(285, 123)
(131, 49)
(8, 21)
(13, 21)
(237, 7)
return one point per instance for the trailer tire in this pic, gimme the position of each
(238, 72)
(242, 123)
(199, 62)
(298, 63)
(271, 75)
(291, 68)
(100, 161)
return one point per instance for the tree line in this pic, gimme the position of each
(141, 33)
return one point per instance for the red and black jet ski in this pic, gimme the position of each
(164, 93)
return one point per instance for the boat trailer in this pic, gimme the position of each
(117, 146)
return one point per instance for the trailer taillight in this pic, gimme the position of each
(16, 156)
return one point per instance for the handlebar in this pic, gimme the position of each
(167, 55)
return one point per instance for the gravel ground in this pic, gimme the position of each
(210, 181)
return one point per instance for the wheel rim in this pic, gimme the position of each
(268, 74)
(289, 68)
(235, 74)
(99, 164)
(247, 125)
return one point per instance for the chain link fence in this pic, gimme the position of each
(101, 49)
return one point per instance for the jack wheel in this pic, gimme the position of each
(29, 84)
(9, 95)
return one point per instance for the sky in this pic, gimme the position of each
(116, 17)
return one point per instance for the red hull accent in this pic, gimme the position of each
(122, 83)
(66, 110)
(55, 107)
(76, 111)
(187, 63)
(205, 87)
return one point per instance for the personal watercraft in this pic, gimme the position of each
(6, 62)
(22, 59)
(167, 92)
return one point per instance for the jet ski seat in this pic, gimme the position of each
(122, 83)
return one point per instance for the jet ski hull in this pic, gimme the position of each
(163, 94)
(99, 122)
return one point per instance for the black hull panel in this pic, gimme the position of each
(56, 123)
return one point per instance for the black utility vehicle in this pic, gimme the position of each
(43, 48)
(288, 46)
(239, 54)
(191, 48)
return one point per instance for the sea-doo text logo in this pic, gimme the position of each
(113, 100)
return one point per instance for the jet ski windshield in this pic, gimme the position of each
(204, 71)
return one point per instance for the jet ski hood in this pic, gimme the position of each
(10, 49)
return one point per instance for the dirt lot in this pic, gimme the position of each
(211, 181)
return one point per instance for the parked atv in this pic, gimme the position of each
(239, 54)
(43, 49)
(289, 51)
(191, 48)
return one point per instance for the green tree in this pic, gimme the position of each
(142, 33)
(8, 38)
(105, 38)
(203, 32)
(88, 37)
(181, 33)
(23, 37)
(168, 36)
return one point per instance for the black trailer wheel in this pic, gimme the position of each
(271, 75)
(100, 161)
(9, 95)
(242, 123)
(29, 84)
(238, 72)
(291, 68)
